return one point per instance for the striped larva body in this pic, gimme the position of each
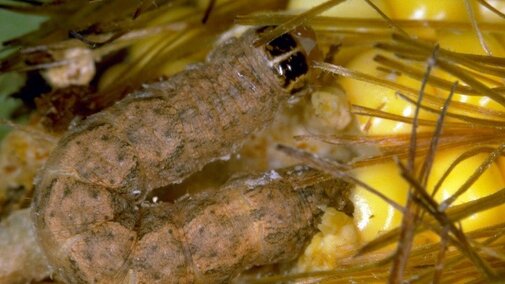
(89, 208)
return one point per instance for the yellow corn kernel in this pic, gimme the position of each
(338, 238)
(489, 182)
(449, 10)
(380, 98)
(484, 15)
(372, 215)
(346, 9)
(467, 42)
(429, 10)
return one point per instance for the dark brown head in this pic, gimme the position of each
(290, 55)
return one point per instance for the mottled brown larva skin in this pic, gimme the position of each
(88, 208)
(253, 220)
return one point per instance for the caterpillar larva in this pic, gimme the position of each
(89, 209)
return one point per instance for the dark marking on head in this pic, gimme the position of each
(292, 68)
(288, 58)
(281, 45)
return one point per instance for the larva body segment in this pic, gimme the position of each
(88, 204)
(252, 220)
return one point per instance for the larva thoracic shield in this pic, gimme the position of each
(89, 208)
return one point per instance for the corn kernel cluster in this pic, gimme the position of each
(373, 216)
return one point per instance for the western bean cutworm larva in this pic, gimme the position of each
(90, 211)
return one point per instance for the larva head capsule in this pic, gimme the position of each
(289, 56)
